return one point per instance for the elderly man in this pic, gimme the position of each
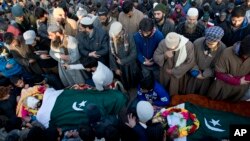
(191, 28)
(93, 41)
(175, 56)
(68, 25)
(130, 17)
(163, 23)
(207, 50)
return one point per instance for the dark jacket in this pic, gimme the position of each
(232, 36)
(159, 96)
(99, 42)
(147, 46)
(168, 26)
(199, 31)
(8, 106)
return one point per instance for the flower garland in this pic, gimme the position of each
(176, 131)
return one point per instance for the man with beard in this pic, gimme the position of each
(146, 41)
(68, 25)
(237, 28)
(130, 17)
(64, 50)
(163, 23)
(93, 41)
(105, 19)
(191, 28)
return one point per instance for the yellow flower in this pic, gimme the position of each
(183, 133)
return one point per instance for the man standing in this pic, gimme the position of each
(232, 72)
(64, 50)
(105, 19)
(93, 41)
(191, 28)
(130, 17)
(237, 29)
(146, 41)
(175, 56)
(163, 23)
(68, 25)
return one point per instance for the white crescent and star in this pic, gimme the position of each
(214, 122)
(82, 104)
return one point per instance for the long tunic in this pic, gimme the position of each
(205, 64)
(176, 82)
(127, 53)
(230, 63)
(69, 77)
(131, 24)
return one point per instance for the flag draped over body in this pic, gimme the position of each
(66, 108)
(213, 123)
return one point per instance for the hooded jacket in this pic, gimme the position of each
(232, 36)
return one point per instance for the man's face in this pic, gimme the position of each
(146, 34)
(237, 21)
(192, 20)
(103, 19)
(60, 19)
(55, 39)
(158, 15)
(51, 35)
(129, 14)
(218, 1)
(20, 83)
(211, 45)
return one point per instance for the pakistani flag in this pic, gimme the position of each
(213, 123)
(66, 108)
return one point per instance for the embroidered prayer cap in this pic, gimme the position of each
(115, 29)
(53, 28)
(144, 111)
(17, 10)
(29, 37)
(214, 34)
(81, 12)
(193, 12)
(88, 20)
(172, 40)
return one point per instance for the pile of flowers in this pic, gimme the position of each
(175, 131)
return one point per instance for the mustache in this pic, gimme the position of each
(57, 42)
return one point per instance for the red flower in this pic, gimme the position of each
(185, 115)
(165, 113)
(193, 128)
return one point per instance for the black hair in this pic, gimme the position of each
(40, 12)
(36, 134)
(86, 133)
(8, 37)
(238, 12)
(14, 79)
(244, 46)
(147, 82)
(146, 24)
(127, 6)
(13, 123)
(89, 62)
(111, 133)
(155, 132)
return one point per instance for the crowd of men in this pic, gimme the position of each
(160, 48)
